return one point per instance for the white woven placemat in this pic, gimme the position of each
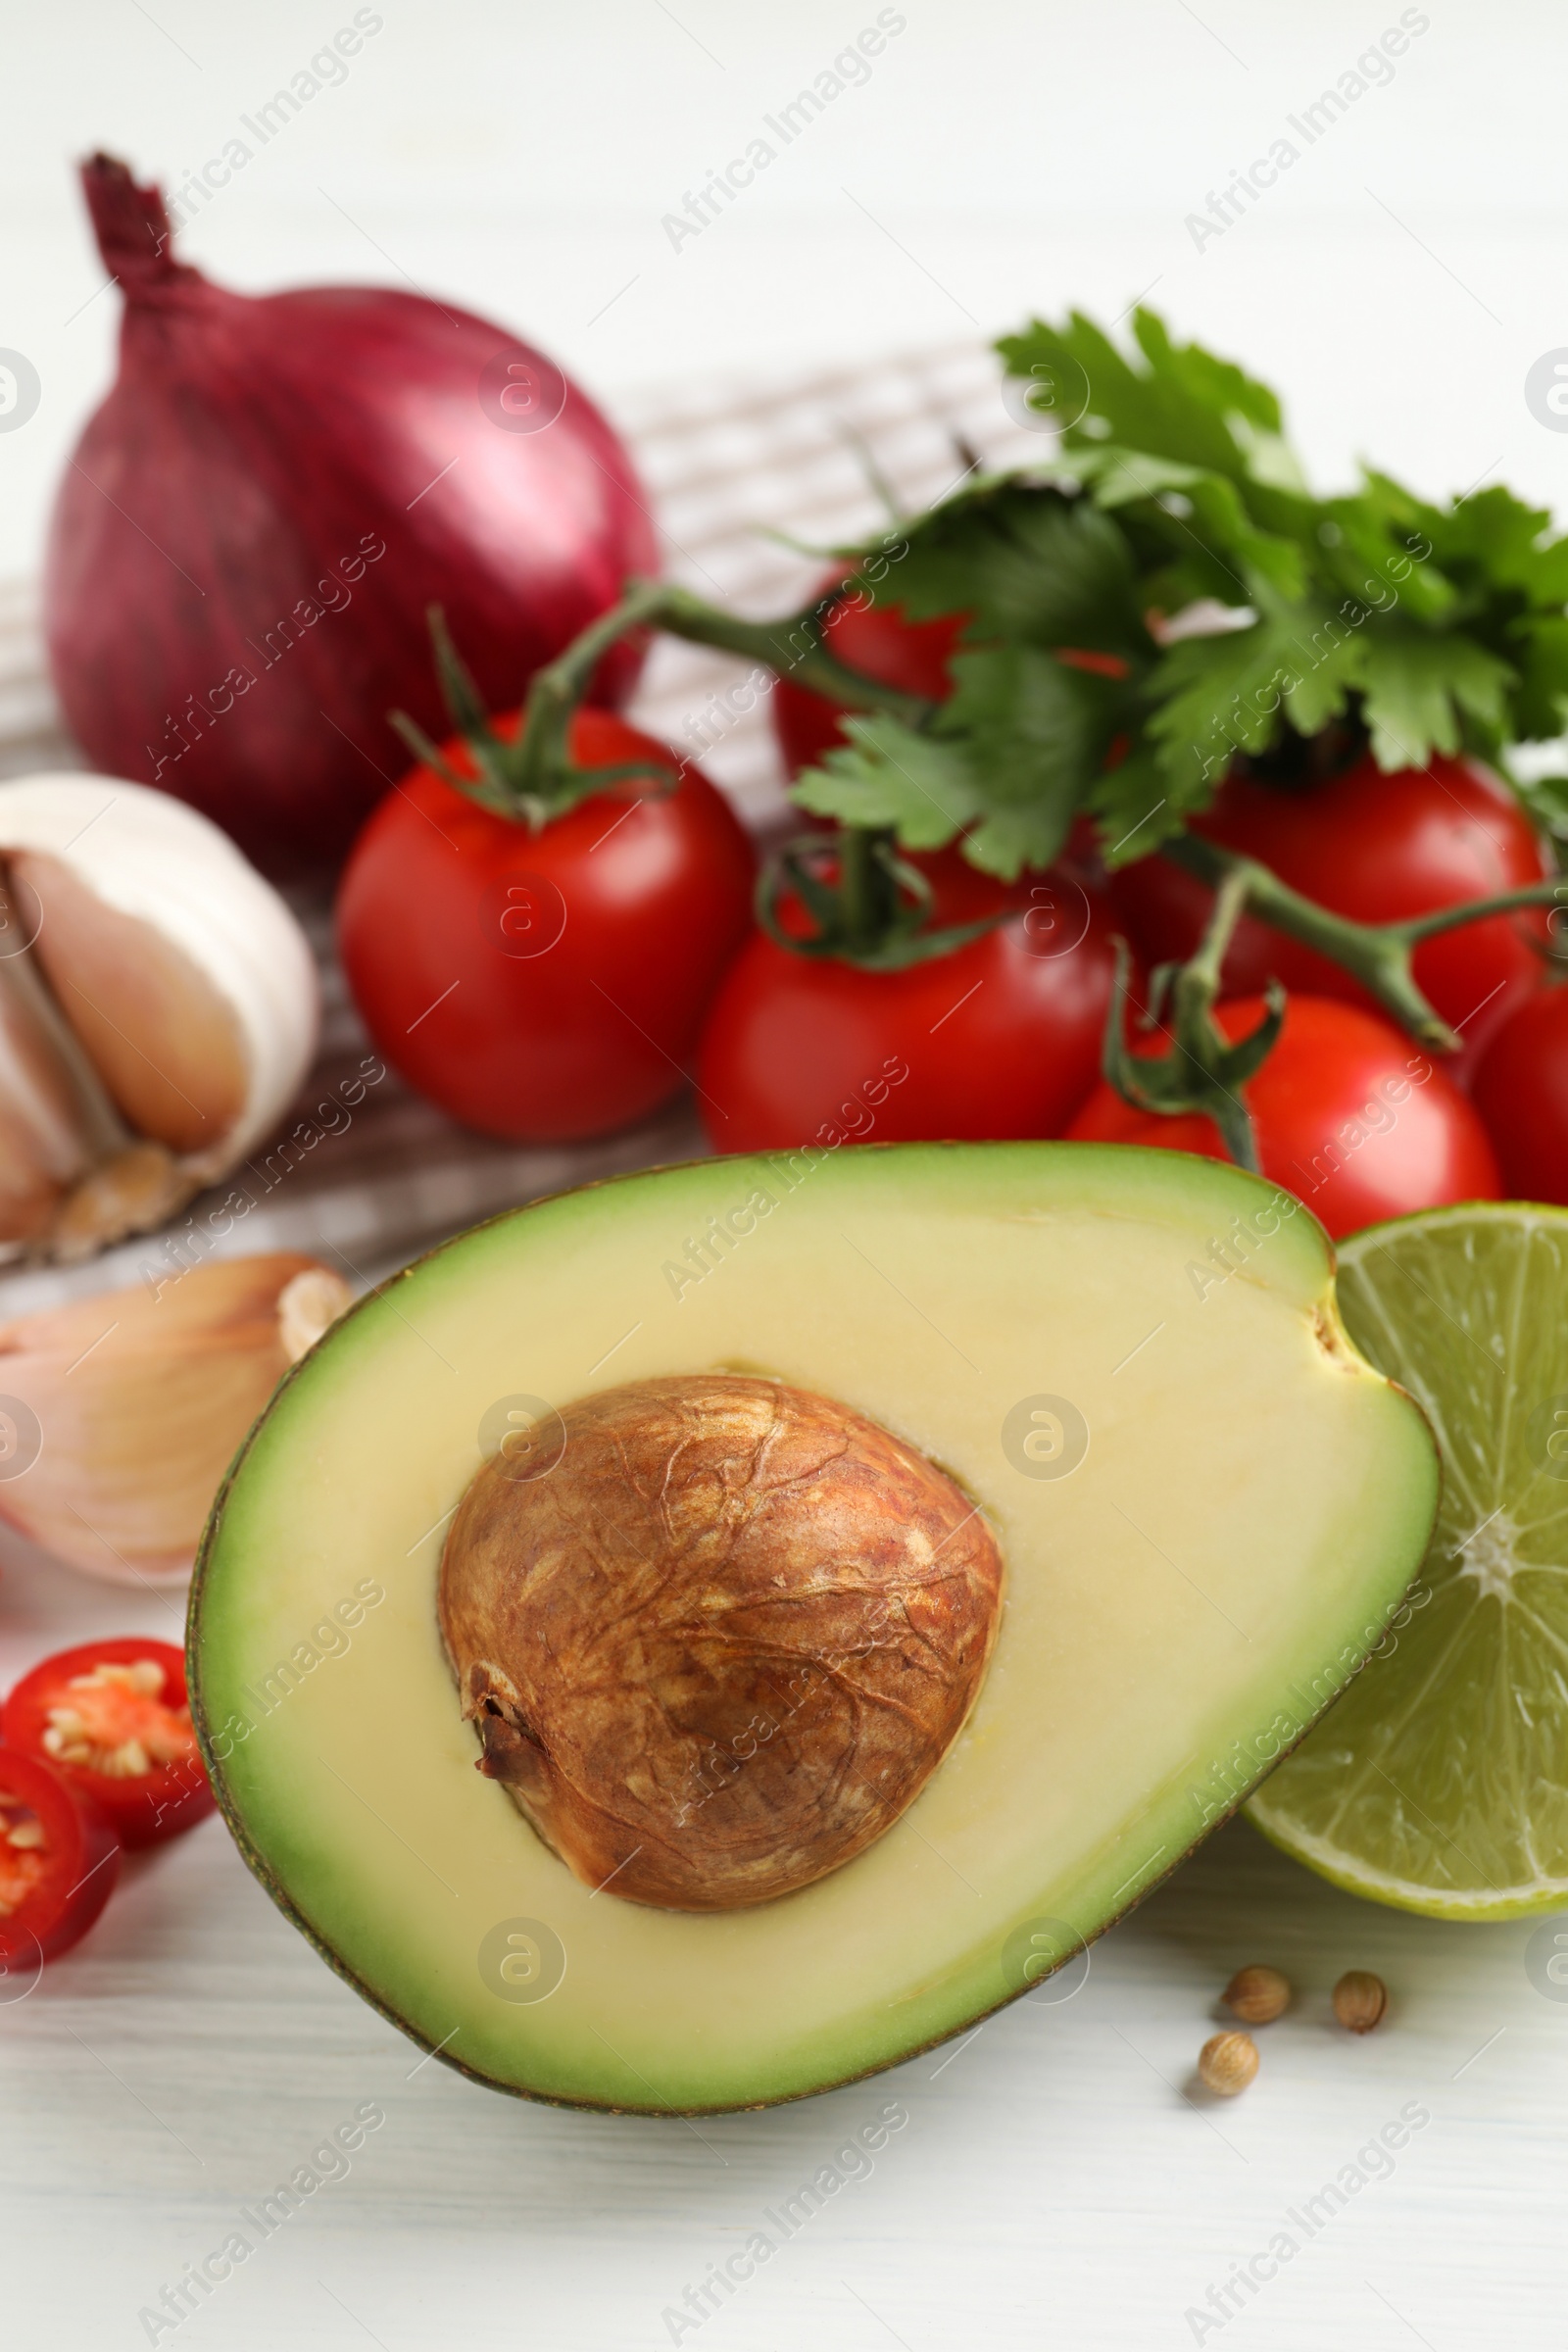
(727, 464)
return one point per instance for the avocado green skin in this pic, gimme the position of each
(256, 1861)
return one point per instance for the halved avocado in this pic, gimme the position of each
(1205, 1502)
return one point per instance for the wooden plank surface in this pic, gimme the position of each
(1060, 2179)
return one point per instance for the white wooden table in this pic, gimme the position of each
(1057, 2182)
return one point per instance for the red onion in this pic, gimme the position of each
(257, 518)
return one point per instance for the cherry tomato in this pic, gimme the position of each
(1375, 847)
(112, 1718)
(999, 1039)
(59, 1860)
(877, 639)
(545, 986)
(1349, 1114)
(1521, 1091)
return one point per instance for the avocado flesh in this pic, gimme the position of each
(1252, 1502)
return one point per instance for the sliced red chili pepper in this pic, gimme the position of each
(112, 1718)
(59, 1860)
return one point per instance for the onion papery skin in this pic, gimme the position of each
(252, 529)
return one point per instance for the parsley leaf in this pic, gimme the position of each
(1418, 688)
(888, 774)
(1163, 593)
(1026, 562)
(1037, 734)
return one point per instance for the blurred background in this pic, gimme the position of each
(1397, 280)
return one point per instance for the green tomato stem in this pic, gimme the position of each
(1377, 954)
(1204, 1071)
(1197, 1034)
(791, 647)
(537, 772)
(867, 892)
(1197, 983)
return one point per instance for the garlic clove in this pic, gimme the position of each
(44, 1139)
(131, 1193)
(307, 1306)
(167, 1044)
(143, 1398)
(175, 994)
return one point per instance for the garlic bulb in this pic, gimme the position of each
(120, 1413)
(158, 1009)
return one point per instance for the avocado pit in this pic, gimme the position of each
(718, 1648)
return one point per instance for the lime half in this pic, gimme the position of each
(1440, 1780)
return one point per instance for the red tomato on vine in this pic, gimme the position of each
(877, 638)
(1376, 847)
(1349, 1115)
(548, 985)
(1521, 1091)
(999, 1038)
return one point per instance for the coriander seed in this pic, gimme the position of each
(1359, 2000)
(1257, 1996)
(1228, 2062)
